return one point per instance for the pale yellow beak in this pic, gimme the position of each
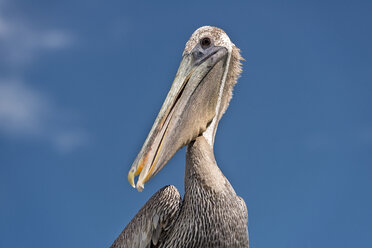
(186, 112)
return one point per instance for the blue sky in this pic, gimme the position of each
(81, 83)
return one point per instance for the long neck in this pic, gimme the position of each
(201, 168)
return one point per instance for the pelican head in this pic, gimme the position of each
(198, 97)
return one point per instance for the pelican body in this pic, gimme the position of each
(210, 213)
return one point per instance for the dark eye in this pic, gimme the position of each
(205, 42)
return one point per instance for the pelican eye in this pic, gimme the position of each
(205, 42)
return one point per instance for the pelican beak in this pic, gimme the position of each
(186, 113)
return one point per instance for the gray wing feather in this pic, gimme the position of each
(153, 220)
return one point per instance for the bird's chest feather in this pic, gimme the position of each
(209, 219)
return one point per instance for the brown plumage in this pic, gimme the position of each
(210, 214)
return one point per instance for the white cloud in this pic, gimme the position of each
(56, 39)
(26, 113)
(22, 110)
(68, 141)
(21, 42)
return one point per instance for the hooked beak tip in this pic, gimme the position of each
(135, 170)
(131, 176)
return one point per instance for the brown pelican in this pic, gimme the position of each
(210, 214)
